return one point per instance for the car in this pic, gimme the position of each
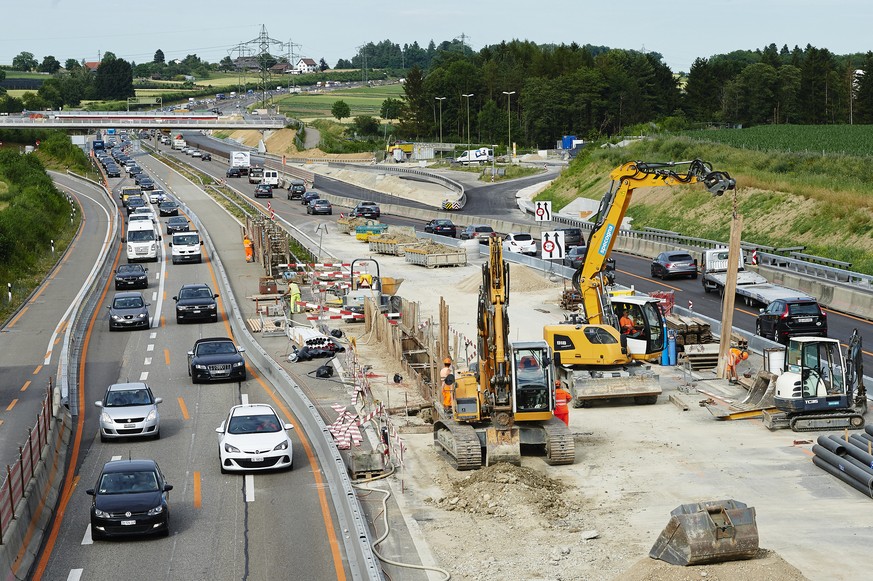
(792, 317)
(674, 263)
(442, 227)
(264, 190)
(157, 196)
(134, 171)
(216, 359)
(113, 171)
(366, 210)
(572, 237)
(146, 183)
(574, 257)
(131, 276)
(521, 243)
(177, 224)
(129, 410)
(196, 302)
(206, 156)
(479, 232)
(254, 438)
(197, 153)
(168, 208)
(133, 203)
(128, 310)
(319, 207)
(130, 498)
(308, 197)
(143, 211)
(296, 189)
(233, 172)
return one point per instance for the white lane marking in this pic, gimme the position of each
(115, 459)
(86, 540)
(245, 398)
(250, 487)
(75, 574)
(155, 296)
(144, 375)
(153, 335)
(148, 361)
(150, 347)
(160, 291)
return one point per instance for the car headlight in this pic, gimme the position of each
(141, 316)
(152, 416)
(116, 318)
(231, 449)
(119, 278)
(141, 277)
(156, 510)
(105, 418)
(282, 446)
(239, 363)
(101, 514)
(199, 366)
(211, 307)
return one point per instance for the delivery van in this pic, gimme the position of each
(141, 241)
(185, 247)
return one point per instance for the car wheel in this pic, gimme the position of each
(95, 534)
(654, 274)
(758, 330)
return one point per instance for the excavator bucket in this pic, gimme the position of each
(708, 532)
(502, 445)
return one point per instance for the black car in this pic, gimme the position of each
(196, 302)
(296, 189)
(177, 224)
(233, 172)
(131, 276)
(674, 264)
(264, 190)
(134, 171)
(366, 210)
(113, 171)
(319, 207)
(572, 237)
(441, 227)
(146, 183)
(133, 203)
(216, 358)
(308, 197)
(130, 498)
(206, 156)
(168, 208)
(574, 257)
(792, 317)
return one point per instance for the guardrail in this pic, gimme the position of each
(425, 175)
(19, 123)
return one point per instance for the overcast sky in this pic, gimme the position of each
(680, 30)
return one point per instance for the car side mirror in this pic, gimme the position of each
(241, 349)
(220, 429)
(168, 487)
(170, 244)
(99, 404)
(190, 354)
(761, 311)
(289, 426)
(215, 296)
(175, 298)
(160, 238)
(90, 492)
(123, 240)
(159, 400)
(201, 243)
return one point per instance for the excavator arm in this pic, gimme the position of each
(613, 207)
(494, 374)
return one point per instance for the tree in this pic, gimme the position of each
(417, 110)
(72, 65)
(364, 125)
(114, 80)
(108, 56)
(322, 65)
(159, 57)
(226, 64)
(343, 64)
(391, 108)
(340, 110)
(49, 65)
(24, 62)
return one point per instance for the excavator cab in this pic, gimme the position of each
(532, 381)
(814, 377)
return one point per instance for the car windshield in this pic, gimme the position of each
(484, 229)
(167, 205)
(127, 397)
(253, 424)
(216, 348)
(141, 236)
(129, 269)
(135, 216)
(187, 240)
(127, 482)
(127, 303)
(178, 221)
(195, 293)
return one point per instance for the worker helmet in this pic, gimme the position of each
(558, 383)
(447, 360)
(744, 355)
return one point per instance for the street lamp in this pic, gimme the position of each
(468, 119)
(509, 95)
(441, 99)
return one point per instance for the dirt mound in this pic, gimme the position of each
(767, 566)
(522, 279)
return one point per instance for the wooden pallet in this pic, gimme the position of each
(255, 324)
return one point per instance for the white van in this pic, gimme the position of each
(142, 241)
(271, 178)
(185, 247)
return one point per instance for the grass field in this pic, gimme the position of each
(814, 139)
(361, 101)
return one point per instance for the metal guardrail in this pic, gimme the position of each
(21, 123)
(425, 175)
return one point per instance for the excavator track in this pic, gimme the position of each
(459, 444)
(835, 421)
(560, 444)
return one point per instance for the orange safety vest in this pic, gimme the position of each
(562, 399)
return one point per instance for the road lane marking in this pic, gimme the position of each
(76, 574)
(150, 347)
(1, 422)
(250, 487)
(148, 361)
(87, 540)
(153, 335)
(198, 500)
(115, 458)
(167, 357)
(26, 385)
(12, 405)
(163, 321)
(37, 370)
(144, 376)
(184, 409)
(155, 296)
(244, 397)
(15, 320)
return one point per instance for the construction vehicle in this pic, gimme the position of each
(751, 287)
(508, 398)
(591, 355)
(820, 388)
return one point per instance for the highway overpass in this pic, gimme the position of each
(90, 120)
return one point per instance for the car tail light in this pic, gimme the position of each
(668, 265)
(784, 314)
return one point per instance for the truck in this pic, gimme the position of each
(752, 288)
(476, 156)
(179, 142)
(400, 150)
(241, 160)
(256, 174)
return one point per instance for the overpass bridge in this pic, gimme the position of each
(90, 120)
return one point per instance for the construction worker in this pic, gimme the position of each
(562, 401)
(247, 245)
(627, 324)
(447, 375)
(734, 356)
(294, 297)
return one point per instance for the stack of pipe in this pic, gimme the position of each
(849, 458)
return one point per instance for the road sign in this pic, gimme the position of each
(543, 211)
(552, 245)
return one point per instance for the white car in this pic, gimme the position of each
(157, 196)
(196, 153)
(254, 438)
(521, 243)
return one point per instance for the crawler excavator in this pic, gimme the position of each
(508, 399)
(591, 355)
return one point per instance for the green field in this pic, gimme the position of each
(814, 139)
(361, 101)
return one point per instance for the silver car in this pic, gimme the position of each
(128, 311)
(129, 410)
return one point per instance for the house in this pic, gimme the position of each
(91, 65)
(247, 63)
(306, 65)
(282, 69)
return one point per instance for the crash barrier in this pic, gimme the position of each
(708, 532)
(848, 458)
(356, 541)
(450, 184)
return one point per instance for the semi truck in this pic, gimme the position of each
(752, 288)
(241, 160)
(179, 142)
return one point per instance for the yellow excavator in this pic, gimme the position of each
(508, 398)
(591, 354)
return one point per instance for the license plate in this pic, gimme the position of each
(196, 312)
(129, 426)
(127, 523)
(257, 458)
(805, 320)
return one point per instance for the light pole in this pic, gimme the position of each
(509, 95)
(441, 99)
(468, 119)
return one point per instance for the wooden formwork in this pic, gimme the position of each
(269, 242)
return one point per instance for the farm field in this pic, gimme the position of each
(815, 139)
(361, 101)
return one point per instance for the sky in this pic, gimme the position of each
(680, 30)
